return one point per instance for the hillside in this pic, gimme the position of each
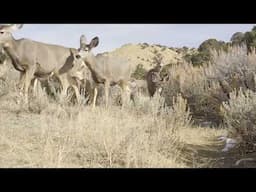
(144, 54)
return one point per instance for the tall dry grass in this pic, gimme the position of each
(236, 70)
(240, 118)
(50, 134)
(208, 86)
(204, 96)
(221, 93)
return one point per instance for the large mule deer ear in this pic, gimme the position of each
(18, 26)
(72, 53)
(83, 40)
(11, 28)
(94, 42)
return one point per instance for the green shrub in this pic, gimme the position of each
(139, 72)
(200, 58)
(211, 44)
(248, 38)
(204, 52)
(237, 38)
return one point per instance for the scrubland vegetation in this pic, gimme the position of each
(178, 128)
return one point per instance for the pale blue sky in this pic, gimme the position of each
(113, 36)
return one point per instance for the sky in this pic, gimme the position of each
(113, 36)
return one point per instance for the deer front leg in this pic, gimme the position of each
(77, 93)
(125, 95)
(28, 77)
(21, 83)
(65, 84)
(34, 83)
(107, 85)
(95, 93)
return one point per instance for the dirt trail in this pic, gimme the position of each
(211, 156)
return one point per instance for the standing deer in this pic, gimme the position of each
(105, 70)
(35, 59)
(154, 79)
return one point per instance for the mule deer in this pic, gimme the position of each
(35, 59)
(154, 79)
(107, 70)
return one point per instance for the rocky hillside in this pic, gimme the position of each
(144, 54)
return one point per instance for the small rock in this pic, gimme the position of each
(230, 143)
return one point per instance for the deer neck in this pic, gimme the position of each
(96, 76)
(10, 48)
(11, 43)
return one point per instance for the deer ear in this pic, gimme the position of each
(19, 26)
(94, 42)
(72, 53)
(83, 40)
(12, 27)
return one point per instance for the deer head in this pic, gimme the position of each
(6, 32)
(77, 64)
(85, 49)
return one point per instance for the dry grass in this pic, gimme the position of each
(51, 134)
(168, 131)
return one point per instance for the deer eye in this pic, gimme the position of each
(1, 32)
(78, 56)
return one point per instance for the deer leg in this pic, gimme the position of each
(77, 93)
(125, 92)
(87, 91)
(89, 87)
(107, 85)
(95, 96)
(34, 83)
(21, 83)
(65, 84)
(28, 77)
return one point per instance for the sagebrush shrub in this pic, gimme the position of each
(240, 118)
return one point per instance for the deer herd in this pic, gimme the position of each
(76, 68)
